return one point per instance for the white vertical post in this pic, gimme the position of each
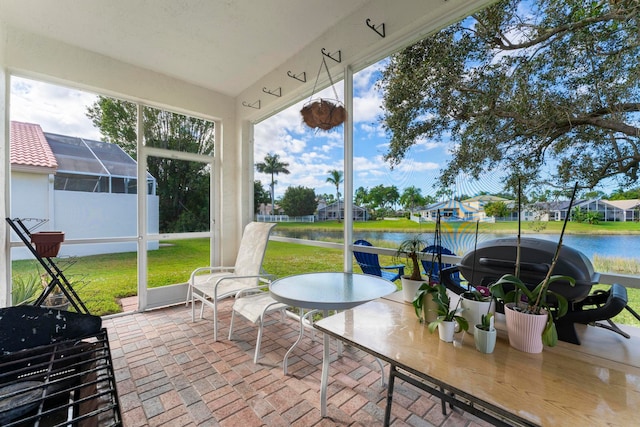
(5, 183)
(348, 169)
(142, 211)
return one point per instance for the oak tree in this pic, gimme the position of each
(545, 90)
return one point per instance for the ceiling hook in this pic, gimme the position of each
(277, 92)
(302, 79)
(255, 105)
(328, 54)
(373, 27)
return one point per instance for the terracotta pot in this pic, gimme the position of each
(47, 242)
(485, 340)
(524, 329)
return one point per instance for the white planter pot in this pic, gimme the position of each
(410, 287)
(525, 330)
(485, 340)
(473, 311)
(446, 330)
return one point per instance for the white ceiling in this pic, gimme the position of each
(223, 45)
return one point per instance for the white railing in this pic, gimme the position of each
(285, 218)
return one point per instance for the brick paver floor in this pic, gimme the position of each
(169, 372)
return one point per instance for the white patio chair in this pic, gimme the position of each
(255, 305)
(211, 284)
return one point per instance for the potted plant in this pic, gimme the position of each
(485, 334)
(447, 318)
(410, 249)
(532, 308)
(530, 312)
(476, 302)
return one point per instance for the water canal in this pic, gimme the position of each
(463, 240)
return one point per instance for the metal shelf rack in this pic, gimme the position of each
(51, 267)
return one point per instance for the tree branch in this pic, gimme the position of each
(504, 43)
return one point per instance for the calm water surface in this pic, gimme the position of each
(624, 246)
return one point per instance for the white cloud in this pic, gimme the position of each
(56, 109)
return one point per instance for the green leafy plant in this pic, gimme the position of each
(439, 295)
(477, 293)
(534, 301)
(410, 249)
(25, 289)
(485, 322)
(419, 300)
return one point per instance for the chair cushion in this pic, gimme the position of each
(206, 284)
(252, 306)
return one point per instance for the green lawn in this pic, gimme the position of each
(101, 280)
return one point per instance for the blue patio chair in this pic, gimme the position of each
(370, 264)
(432, 269)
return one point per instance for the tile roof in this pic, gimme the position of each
(29, 147)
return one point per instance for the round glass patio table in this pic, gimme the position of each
(327, 291)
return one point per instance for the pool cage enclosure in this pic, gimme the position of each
(94, 166)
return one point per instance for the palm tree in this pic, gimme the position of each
(411, 196)
(274, 166)
(335, 178)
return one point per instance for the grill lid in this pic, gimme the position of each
(494, 258)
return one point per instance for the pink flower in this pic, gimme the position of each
(484, 291)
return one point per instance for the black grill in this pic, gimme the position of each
(69, 382)
(495, 258)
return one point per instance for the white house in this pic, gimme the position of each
(70, 184)
(335, 211)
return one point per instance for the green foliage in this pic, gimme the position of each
(409, 249)
(497, 209)
(535, 300)
(522, 83)
(589, 217)
(335, 178)
(361, 196)
(485, 322)
(438, 293)
(260, 195)
(381, 196)
(620, 194)
(411, 198)
(299, 201)
(183, 186)
(25, 288)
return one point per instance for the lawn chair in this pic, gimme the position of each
(370, 264)
(432, 269)
(255, 304)
(211, 284)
